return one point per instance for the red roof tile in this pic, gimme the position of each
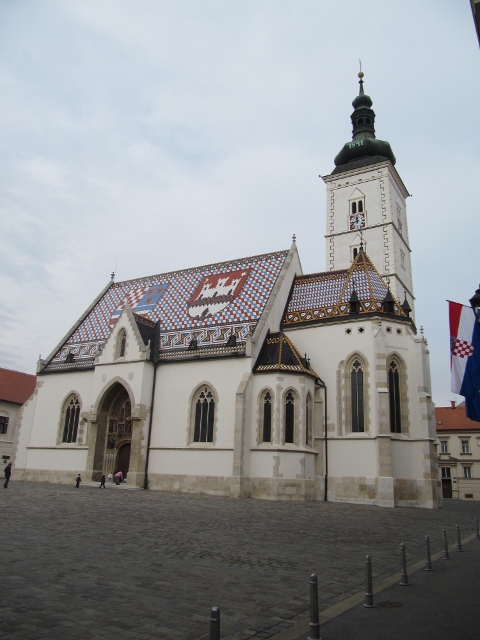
(454, 419)
(15, 386)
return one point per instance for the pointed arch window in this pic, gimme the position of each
(267, 417)
(357, 396)
(70, 423)
(394, 397)
(204, 415)
(122, 343)
(289, 418)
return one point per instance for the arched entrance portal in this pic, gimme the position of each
(117, 455)
(113, 441)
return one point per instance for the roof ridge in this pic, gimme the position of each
(171, 274)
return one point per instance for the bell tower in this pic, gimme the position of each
(366, 204)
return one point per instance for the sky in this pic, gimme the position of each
(146, 136)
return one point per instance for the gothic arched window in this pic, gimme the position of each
(267, 417)
(394, 399)
(204, 403)
(354, 207)
(122, 343)
(70, 423)
(289, 418)
(357, 397)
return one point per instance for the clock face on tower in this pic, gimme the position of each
(357, 221)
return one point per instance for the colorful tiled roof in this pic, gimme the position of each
(454, 418)
(279, 354)
(16, 387)
(326, 295)
(208, 304)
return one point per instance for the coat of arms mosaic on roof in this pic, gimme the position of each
(208, 304)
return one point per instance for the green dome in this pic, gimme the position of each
(364, 149)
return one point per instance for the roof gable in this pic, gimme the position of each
(208, 304)
(279, 354)
(326, 295)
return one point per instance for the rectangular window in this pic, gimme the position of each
(445, 472)
(467, 472)
(3, 425)
(443, 446)
(465, 446)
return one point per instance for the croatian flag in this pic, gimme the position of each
(465, 357)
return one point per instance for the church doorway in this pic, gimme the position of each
(111, 435)
(123, 459)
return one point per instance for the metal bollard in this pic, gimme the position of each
(314, 619)
(368, 604)
(446, 555)
(214, 624)
(476, 525)
(459, 539)
(428, 558)
(403, 563)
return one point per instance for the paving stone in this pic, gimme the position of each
(142, 565)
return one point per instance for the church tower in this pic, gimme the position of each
(366, 205)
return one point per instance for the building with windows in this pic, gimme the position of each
(458, 446)
(249, 378)
(15, 389)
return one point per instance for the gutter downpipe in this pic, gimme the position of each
(156, 342)
(324, 386)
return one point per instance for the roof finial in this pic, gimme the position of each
(294, 238)
(112, 275)
(360, 75)
(361, 242)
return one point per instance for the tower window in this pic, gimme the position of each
(360, 206)
(354, 207)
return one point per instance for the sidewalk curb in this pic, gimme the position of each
(298, 631)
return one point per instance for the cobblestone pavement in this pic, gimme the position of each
(142, 565)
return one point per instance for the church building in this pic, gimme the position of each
(248, 378)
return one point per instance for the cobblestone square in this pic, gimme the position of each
(144, 565)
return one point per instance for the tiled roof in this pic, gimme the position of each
(208, 304)
(326, 295)
(279, 354)
(16, 387)
(454, 419)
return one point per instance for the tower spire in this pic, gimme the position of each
(364, 148)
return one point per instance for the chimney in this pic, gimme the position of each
(452, 402)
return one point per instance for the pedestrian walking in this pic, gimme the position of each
(102, 482)
(8, 473)
(77, 482)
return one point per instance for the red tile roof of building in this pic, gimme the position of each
(16, 387)
(454, 418)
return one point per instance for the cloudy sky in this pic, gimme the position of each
(145, 136)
